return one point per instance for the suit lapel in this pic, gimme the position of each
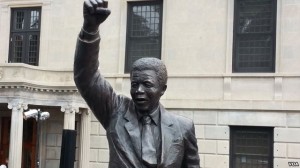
(169, 135)
(132, 127)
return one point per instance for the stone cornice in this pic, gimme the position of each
(211, 91)
(38, 88)
(37, 96)
(26, 3)
(22, 76)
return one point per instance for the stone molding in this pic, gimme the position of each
(267, 91)
(14, 75)
(70, 111)
(17, 105)
(70, 108)
(37, 97)
(38, 89)
(26, 3)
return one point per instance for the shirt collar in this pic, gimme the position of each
(154, 116)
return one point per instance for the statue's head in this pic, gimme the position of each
(154, 64)
(148, 83)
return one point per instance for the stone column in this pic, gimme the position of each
(69, 117)
(85, 130)
(16, 133)
(68, 152)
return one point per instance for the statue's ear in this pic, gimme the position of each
(164, 88)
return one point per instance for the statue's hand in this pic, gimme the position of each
(94, 13)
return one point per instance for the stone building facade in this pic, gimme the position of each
(242, 117)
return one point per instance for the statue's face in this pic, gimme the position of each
(145, 90)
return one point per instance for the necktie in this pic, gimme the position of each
(148, 147)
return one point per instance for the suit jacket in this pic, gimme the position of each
(117, 115)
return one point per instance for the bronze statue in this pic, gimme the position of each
(140, 132)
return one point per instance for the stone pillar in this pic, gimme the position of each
(68, 148)
(69, 117)
(85, 130)
(16, 133)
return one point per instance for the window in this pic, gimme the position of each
(251, 147)
(143, 31)
(254, 36)
(25, 35)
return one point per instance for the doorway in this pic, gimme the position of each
(5, 135)
(29, 142)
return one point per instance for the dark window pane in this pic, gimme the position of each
(19, 22)
(251, 147)
(254, 51)
(254, 40)
(34, 19)
(33, 49)
(144, 31)
(18, 41)
(25, 34)
(255, 16)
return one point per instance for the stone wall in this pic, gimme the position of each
(213, 134)
(53, 135)
(52, 139)
(99, 153)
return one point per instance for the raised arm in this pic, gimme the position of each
(96, 91)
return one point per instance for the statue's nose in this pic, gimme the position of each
(140, 89)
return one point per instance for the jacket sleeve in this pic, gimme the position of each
(191, 156)
(92, 86)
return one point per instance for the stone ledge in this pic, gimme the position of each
(39, 88)
(258, 105)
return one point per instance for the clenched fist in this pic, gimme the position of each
(94, 12)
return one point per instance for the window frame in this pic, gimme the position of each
(236, 34)
(130, 4)
(26, 32)
(234, 129)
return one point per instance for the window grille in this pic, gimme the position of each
(25, 35)
(251, 147)
(143, 31)
(254, 36)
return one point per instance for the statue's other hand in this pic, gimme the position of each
(94, 13)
